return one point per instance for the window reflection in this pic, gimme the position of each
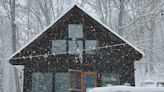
(41, 82)
(90, 45)
(75, 30)
(75, 80)
(110, 78)
(61, 84)
(59, 46)
(73, 46)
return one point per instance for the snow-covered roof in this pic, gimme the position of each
(61, 17)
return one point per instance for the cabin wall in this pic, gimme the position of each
(126, 73)
(115, 59)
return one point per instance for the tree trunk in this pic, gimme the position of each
(120, 17)
(151, 42)
(13, 27)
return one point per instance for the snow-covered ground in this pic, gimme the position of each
(127, 89)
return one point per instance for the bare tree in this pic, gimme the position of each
(14, 40)
(136, 20)
(10, 7)
(121, 16)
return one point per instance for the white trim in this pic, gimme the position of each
(61, 17)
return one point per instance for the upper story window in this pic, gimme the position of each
(73, 46)
(59, 46)
(75, 30)
(74, 42)
(90, 46)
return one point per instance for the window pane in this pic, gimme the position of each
(41, 82)
(90, 45)
(75, 80)
(59, 46)
(110, 78)
(73, 46)
(61, 82)
(75, 30)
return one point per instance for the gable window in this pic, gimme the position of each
(75, 35)
(73, 46)
(75, 30)
(90, 46)
(59, 46)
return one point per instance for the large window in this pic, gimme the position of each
(90, 46)
(42, 82)
(75, 30)
(59, 46)
(110, 78)
(61, 84)
(75, 41)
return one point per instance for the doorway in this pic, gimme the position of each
(81, 80)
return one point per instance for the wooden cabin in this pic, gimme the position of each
(76, 53)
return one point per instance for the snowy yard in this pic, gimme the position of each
(127, 89)
(101, 41)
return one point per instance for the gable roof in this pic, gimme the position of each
(45, 29)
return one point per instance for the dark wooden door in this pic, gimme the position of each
(89, 80)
